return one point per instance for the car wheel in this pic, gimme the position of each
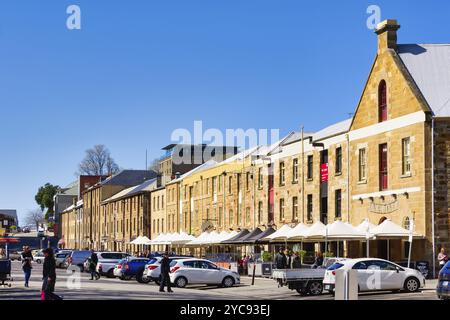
(228, 282)
(181, 282)
(110, 274)
(315, 288)
(412, 284)
(301, 291)
(140, 278)
(38, 261)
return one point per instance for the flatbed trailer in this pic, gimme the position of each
(305, 281)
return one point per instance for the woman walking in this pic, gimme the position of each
(26, 258)
(49, 276)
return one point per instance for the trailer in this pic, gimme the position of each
(5, 272)
(305, 280)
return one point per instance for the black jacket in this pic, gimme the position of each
(49, 268)
(280, 261)
(26, 257)
(165, 266)
(297, 263)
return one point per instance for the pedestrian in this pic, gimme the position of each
(296, 262)
(26, 258)
(318, 260)
(93, 261)
(442, 258)
(245, 262)
(164, 277)
(280, 259)
(49, 276)
(2, 254)
(288, 259)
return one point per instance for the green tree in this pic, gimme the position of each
(44, 198)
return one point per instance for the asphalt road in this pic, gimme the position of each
(105, 289)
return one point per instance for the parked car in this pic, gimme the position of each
(41, 232)
(39, 257)
(15, 255)
(77, 259)
(443, 286)
(61, 259)
(130, 267)
(201, 271)
(107, 262)
(152, 269)
(376, 274)
(26, 230)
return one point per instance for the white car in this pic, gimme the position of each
(376, 274)
(200, 271)
(152, 270)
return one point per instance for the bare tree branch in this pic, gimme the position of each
(35, 217)
(97, 162)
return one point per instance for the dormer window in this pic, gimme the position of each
(382, 101)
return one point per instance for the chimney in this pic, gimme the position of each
(387, 35)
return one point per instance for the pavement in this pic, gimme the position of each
(70, 288)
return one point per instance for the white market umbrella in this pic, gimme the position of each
(298, 232)
(135, 241)
(339, 230)
(199, 240)
(182, 238)
(367, 227)
(280, 234)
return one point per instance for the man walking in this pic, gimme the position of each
(280, 260)
(165, 270)
(26, 258)
(93, 266)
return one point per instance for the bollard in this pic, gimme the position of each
(346, 285)
(253, 276)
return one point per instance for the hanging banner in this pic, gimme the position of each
(324, 172)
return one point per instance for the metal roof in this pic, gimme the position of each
(429, 65)
(9, 213)
(333, 130)
(130, 178)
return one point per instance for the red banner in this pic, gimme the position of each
(324, 172)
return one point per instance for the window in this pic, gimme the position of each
(406, 156)
(230, 186)
(383, 166)
(310, 167)
(260, 213)
(309, 208)
(382, 101)
(362, 164)
(282, 173)
(231, 218)
(162, 202)
(220, 184)
(338, 203)
(338, 167)
(247, 180)
(295, 208)
(247, 215)
(260, 178)
(207, 186)
(281, 209)
(295, 170)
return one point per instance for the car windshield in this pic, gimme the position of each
(335, 266)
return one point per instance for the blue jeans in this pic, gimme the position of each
(27, 274)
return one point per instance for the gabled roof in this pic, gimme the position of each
(204, 166)
(148, 185)
(429, 66)
(130, 178)
(333, 130)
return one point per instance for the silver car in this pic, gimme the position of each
(152, 270)
(201, 271)
(107, 261)
(62, 259)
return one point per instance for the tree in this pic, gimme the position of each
(98, 162)
(44, 197)
(35, 217)
(154, 165)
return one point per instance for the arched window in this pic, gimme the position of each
(382, 101)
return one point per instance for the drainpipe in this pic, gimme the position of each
(432, 198)
(348, 177)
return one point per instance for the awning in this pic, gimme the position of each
(339, 230)
(141, 241)
(260, 237)
(280, 234)
(298, 232)
(389, 230)
(182, 238)
(316, 231)
(249, 237)
(236, 238)
(199, 240)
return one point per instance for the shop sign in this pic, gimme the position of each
(384, 208)
(324, 172)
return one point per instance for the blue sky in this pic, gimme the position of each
(139, 69)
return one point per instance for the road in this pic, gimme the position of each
(106, 289)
